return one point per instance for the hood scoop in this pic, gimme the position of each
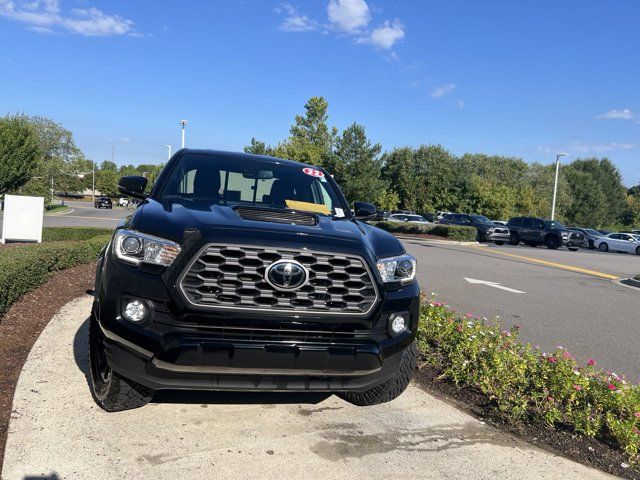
(274, 215)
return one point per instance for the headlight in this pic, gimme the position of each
(397, 269)
(135, 247)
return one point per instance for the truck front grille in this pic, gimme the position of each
(233, 277)
(303, 332)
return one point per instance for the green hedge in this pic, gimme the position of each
(451, 232)
(525, 384)
(24, 268)
(57, 234)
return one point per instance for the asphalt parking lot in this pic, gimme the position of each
(557, 297)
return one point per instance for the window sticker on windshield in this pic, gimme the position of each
(312, 172)
(339, 212)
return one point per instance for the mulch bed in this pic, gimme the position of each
(22, 324)
(564, 442)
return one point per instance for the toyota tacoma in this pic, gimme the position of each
(247, 272)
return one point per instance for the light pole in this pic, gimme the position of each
(183, 123)
(169, 149)
(555, 184)
(93, 183)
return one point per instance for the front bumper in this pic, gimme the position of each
(209, 366)
(181, 348)
(573, 242)
(497, 237)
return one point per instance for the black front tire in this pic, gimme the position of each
(392, 388)
(514, 239)
(500, 243)
(591, 245)
(603, 247)
(573, 249)
(110, 391)
(638, 251)
(552, 242)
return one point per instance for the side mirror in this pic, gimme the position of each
(133, 186)
(364, 209)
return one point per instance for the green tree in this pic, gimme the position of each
(357, 165)
(310, 140)
(588, 205)
(399, 170)
(107, 182)
(19, 152)
(605, 182)
(58, 161)
(258, 148)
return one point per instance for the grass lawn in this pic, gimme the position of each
(56, 209)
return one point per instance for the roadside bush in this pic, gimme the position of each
(451, 232)
(25, 268)
(526, 384)
(56, 234)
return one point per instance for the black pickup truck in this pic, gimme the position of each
(536, 231)
(246, 272)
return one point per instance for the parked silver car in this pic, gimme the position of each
(619, 242)
(401, 217)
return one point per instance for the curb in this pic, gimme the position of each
(433, 240)
(57, 214)
(629, 282)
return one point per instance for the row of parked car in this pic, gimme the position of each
(531, 231)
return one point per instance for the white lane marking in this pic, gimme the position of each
(493, 284)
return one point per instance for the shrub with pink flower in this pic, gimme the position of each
(526, 384)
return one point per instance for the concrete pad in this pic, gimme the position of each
(57, 430)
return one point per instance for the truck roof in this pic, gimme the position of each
(240, 156)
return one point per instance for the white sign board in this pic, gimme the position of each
(22, 220)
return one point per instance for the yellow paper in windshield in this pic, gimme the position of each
(307, 206)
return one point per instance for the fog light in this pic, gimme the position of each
(398, 324)
(135, 311)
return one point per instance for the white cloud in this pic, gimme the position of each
(45, 16)
(599, 147)
(345, 17)
(460, 104)
(386, 35)
(442, 90)
(348, 15)
(624, 114)
(125, 140)
(295, 21)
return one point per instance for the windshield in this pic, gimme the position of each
(213, 179)
(595, 233)
(481, 219)
(415, 218)
(553, 225)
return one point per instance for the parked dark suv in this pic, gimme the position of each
(103, 202)
(536, 231)
(487, 230)
(246, 272)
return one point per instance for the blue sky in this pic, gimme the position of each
(497, 76)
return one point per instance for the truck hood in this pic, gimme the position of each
(220, 223)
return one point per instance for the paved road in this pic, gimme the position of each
(82, 214)
(591, 316)
(56, 428)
